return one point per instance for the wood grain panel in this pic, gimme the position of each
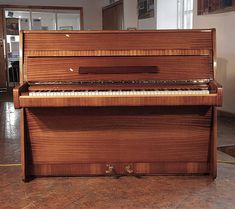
(66, 40)
(168, 67)
(111, 53)
(17, 92)
(23, 140)
(105, 101)
(91, 169)
(213, 147)
(134, 134)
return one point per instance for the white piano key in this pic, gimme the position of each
(119, 93)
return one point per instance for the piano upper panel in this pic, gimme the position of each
(176, 54)
(118, 40)
(118, 68)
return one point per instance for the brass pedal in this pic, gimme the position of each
(111, 171)
(128, 169)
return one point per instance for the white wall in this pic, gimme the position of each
(149, 23)
(92, 12)
(225, 41)
(130, 14)
(167, 14)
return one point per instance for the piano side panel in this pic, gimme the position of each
(168, 67)
(167, 136)
(213, 148)
(127, 40)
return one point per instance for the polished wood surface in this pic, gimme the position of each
(17, 91)
(118, 135)
(24, 148)
(112, 53)
(67, 69)
(70, 101)
(121, 40)
(213, 148)
(99, 169)
(216, 87)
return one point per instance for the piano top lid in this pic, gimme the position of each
(197, 39)
(177, 54)
(121, 31)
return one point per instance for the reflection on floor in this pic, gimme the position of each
(104, 192)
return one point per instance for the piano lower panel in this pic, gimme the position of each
(81, 141)
(92, 169)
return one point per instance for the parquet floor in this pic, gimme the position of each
(155, 192)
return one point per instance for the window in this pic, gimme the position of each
(185, 14)
(33, 19)
(67, 21)
(43, 21)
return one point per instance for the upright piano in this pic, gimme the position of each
(118, 103)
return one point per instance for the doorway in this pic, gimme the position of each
(112, 16)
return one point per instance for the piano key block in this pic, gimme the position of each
(119, 93)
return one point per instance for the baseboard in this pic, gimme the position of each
(222, 113)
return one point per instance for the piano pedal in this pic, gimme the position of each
(129, 170)
(111, 171)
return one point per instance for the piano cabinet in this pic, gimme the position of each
(115, 103)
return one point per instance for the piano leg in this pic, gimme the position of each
(213, 152)
(24, 147)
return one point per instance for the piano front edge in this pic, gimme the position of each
(98, 101)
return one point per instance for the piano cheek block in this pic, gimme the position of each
(114, 103)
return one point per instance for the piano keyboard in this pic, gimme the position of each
(117, 92)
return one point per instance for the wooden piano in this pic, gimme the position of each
(118, 103)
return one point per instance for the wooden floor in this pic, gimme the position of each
(158, 192)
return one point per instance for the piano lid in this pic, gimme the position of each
(117, 55)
